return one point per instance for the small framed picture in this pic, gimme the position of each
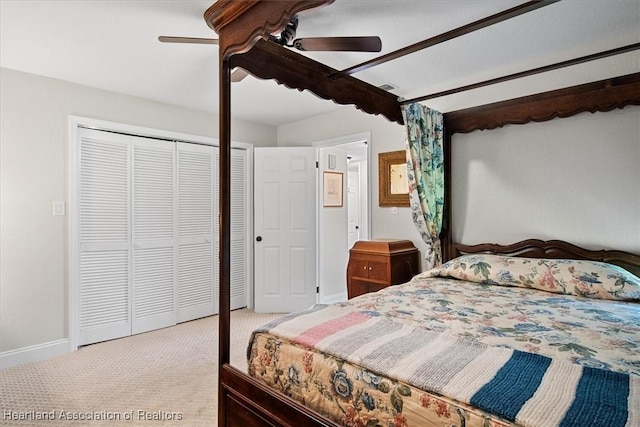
(332, 189)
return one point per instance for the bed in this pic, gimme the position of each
(483, 340)
(277, 392)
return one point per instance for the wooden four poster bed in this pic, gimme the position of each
(354, 389)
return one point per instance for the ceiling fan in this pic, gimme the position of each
(288, 38)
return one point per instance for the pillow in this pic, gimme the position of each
(591, 279)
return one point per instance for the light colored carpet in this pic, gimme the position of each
(161, 378)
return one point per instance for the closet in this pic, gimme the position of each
(148, 234)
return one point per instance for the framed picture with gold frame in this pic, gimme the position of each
(393, 184)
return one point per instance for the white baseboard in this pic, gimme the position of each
(330, 299)
(34, 353)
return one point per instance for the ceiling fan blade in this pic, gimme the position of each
(196, 40)
(354, 44)
(238, 74)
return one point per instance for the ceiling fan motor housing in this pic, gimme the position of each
(289, 33)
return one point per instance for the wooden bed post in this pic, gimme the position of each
(224, 325)
(445, 233)
(236, 36)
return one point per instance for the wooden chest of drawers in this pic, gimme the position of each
(376, 264)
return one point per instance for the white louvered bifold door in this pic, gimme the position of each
(216, 230)
(239, 218)
(239, 215)
(195, 232)
(148, 235)
(153, 198)
(104, 303)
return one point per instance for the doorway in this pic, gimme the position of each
(356, 148)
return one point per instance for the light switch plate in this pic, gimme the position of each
(58, 208)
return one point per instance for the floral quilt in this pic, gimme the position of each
(484, 315)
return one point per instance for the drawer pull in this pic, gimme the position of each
(364, 268)
(370, 268)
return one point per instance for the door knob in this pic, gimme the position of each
(259, 239)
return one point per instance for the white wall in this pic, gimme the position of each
(587, 148)
(34, 163)
(575, 179)
(332, 232)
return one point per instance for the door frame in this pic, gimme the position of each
(351, 139)
(76, 122)
(365, 193)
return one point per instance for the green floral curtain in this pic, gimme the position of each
(425, 163)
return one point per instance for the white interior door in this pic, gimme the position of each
(104, 277)
(153, 199)
(239, 228)
(285, 228)
(196, 279)
(240, 240)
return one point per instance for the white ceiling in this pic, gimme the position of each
(112, 45)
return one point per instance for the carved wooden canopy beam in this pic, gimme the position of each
(268, 60)
(603, 95)
(242, 42)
